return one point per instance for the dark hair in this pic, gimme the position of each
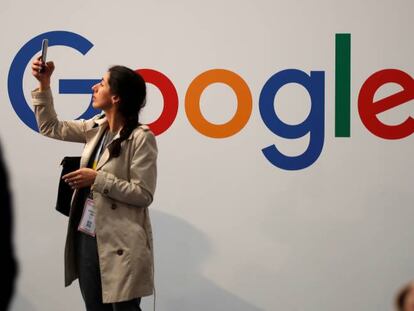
(402, 296)
(131, 89)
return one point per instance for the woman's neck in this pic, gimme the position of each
(115, 120)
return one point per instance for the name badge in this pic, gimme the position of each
(87, 223)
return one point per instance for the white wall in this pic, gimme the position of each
(232, 231)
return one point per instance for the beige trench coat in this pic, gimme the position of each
(123, 189)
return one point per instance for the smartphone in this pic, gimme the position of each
(45, 44)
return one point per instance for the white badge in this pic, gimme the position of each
(87, 223)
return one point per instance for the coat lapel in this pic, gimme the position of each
(104, 158)
(105, 155)
(93, 136)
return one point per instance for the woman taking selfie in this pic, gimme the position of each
(109, 245)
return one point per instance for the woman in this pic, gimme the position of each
(109, 245)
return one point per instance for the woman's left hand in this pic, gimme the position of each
(83, 177)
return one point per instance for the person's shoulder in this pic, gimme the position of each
(143, 134)
(99, 118)
(144, 127)
(94, 121)
(142, 130)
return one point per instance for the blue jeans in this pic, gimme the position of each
(90, 278)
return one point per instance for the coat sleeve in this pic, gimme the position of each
(50, 126)
(140, 189)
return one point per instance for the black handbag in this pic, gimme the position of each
(65, 192)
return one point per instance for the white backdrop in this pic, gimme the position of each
(232, 231)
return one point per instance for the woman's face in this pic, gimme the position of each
(102, 95)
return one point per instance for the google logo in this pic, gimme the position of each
(313, 83)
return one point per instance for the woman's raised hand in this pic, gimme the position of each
(44, 76)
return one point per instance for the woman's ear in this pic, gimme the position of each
(115, 99)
